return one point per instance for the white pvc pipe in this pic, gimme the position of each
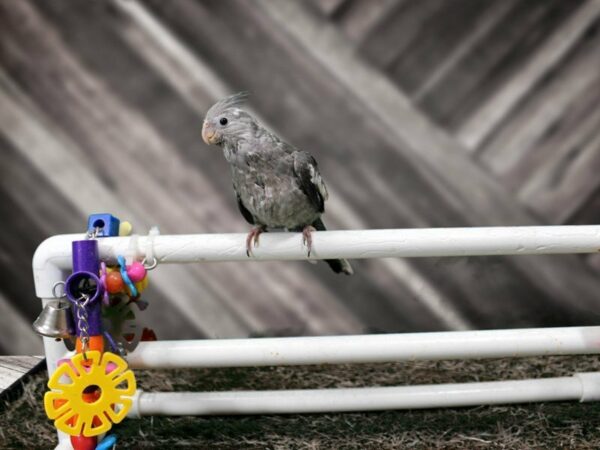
(54, 351)
(581, 387)
(366, 348)
(54, 253)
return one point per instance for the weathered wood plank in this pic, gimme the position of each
(31, 213)
(567, 179)
(396, 30)
(359, 17)
(511, 147)
(498, 55)
(171, 58)
(589, 213)
(452, 23)
(481, 123)
(16, 251)
(13, 369)
(8, 377)
(329, 7)
(494, 13)
(17, 335)
(21, 364)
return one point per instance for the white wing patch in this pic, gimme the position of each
(316, 179)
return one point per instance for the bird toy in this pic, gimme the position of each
(93, 389)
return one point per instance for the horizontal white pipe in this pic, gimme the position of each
(54, 253)
(581, 387)
(366, 348)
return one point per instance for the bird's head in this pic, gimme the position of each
(226, 122)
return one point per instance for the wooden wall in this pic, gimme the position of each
(421, 114)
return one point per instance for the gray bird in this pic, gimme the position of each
(277, 186)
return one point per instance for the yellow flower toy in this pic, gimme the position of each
(88, 394)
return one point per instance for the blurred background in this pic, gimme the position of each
(431, 113)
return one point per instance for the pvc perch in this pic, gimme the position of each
(54, 254)
(366, 348)
(580, 387)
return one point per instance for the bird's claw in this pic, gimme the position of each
(252, 239)
(307, 238)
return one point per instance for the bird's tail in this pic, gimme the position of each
(337, 265)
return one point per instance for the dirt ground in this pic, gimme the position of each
(551, 425)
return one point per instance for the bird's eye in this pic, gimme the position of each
(223, 121)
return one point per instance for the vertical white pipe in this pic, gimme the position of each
(55, 351)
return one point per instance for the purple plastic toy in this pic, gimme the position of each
(85, 280)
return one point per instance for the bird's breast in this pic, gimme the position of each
(273, 197)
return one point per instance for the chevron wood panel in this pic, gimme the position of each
(487, 117)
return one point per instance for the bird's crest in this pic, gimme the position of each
(228, 102)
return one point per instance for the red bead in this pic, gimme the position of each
(84, 443)
(114, 282)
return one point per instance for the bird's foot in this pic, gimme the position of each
(252, 239)
(307, 237)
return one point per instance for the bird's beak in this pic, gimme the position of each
(208, 134)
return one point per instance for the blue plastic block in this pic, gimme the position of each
(107, 223)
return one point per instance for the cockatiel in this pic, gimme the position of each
(276, 185)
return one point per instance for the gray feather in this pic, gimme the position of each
(226, 103)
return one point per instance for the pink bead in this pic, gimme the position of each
(136, 272)
(110, 367)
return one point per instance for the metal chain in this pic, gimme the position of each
(93, 234)
(82, 322)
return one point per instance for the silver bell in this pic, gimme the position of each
(55, 321)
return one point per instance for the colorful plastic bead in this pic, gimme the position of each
(114, 282)
(125, 229)
(136, 271)
(142, 285)
(84, 442)
(106, 224)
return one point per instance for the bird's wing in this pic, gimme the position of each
(247, 214)
(309, 179)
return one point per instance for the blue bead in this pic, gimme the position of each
(108, 443)
(107, 223)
